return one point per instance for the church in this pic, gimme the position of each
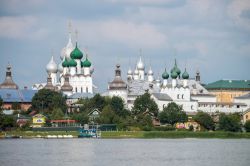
(73, 75)
(175, 86)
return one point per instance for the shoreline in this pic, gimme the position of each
(126, 135)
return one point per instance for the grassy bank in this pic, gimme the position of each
(137, 134)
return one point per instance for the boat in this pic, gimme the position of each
(89, 133)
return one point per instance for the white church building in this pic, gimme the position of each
(73, 75)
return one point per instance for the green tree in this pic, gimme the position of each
(229, 122)
(98, 102)
(16, 106)
(117, 105)
(81, 118)
(46, 100)
(143, 103)
(247, 126)
(205, 120)
(107, 115)
(57, 114)
(172, 114)
(7, 121)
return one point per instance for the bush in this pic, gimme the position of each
(229, 122)
(205, 120)
(247, 126)
(164, 128)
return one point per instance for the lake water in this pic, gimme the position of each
(125, 152)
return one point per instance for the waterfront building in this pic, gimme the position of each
(173, 87)
(226, 90)
(73, 75)
(10, 93)
(38, 120)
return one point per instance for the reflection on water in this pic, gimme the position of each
(123, 152)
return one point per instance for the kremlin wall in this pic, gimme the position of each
(73, 76)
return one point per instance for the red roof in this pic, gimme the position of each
(63, 121)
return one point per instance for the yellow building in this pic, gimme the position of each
(38, 120)
(226, 90)
(246, 116)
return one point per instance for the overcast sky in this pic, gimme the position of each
(210, 35)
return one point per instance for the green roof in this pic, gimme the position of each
(229, 84)
(76, 53)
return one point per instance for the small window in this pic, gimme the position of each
(81, 89)
(182, 96)
(192, 107)
(238, 106)
(87, 90)
(178, 96)
(76, 89)
(246, 116)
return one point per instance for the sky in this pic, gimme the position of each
(207, 35)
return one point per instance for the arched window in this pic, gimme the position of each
(87, 90)
(182, 96)
(192, 107)
(76, 89)
(178, 96)
(163, 106)
(81, 89)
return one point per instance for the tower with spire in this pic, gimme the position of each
(75, 70)
(8, 82)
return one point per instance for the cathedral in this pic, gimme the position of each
(73, 75)
(175, 86)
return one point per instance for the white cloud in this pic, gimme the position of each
(127, 33)
(235, 10)
(20, 27)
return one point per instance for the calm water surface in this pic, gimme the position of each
(125, 152)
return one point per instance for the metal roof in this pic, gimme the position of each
(246, 96)
(229, 84)
(162, 96)
(81, 95)
(16, 95)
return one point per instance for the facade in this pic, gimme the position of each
(174, 87)
(10, 93)
(72, 75)
(226, 90)
(246, 116)
(38, 120)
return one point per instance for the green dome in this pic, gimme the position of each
(86, 63)
(72, 63)
(165, 74)
(176, 69)
(185, 75)
(65, 63)
(174, 74)
(76, 53)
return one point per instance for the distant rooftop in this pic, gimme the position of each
(229, 84)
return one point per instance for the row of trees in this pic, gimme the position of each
(112, 111)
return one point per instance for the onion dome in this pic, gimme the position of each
(72, 63)
(67, 50)
(140, 65)
(130, 71)
(65, 63)
(60, 67)
(185, 75)
(165, 75)
(177, 70)
(76, 53)
(174, 74)
(136, 72)
(51, 66)
(150, 71)
(86, 63)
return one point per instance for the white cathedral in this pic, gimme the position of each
(73, 75)
(174, 87)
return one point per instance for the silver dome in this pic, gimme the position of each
(140, 65)
(51, 66)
